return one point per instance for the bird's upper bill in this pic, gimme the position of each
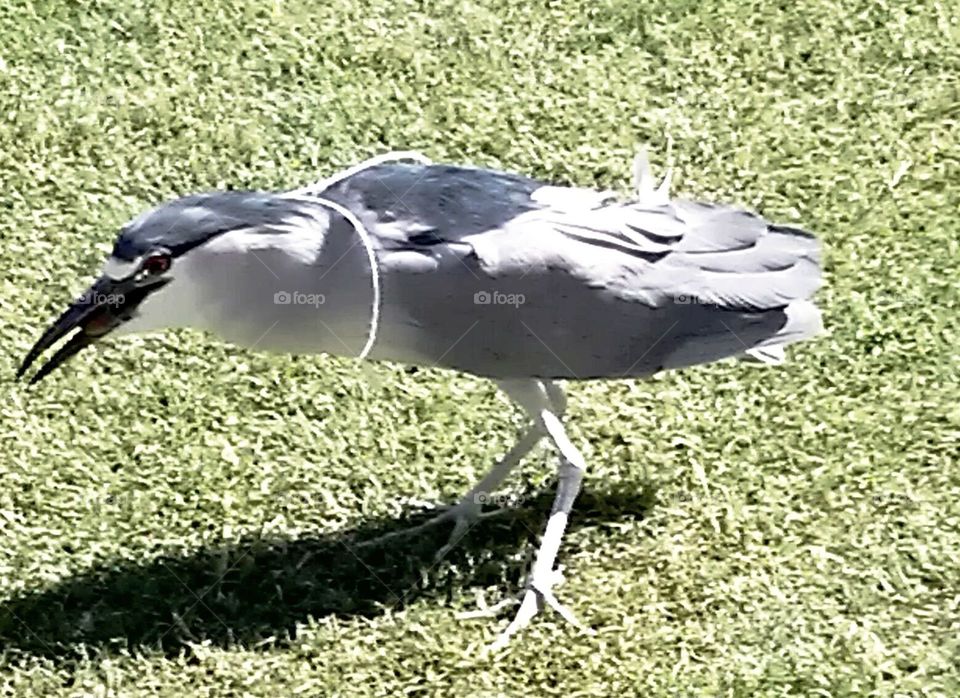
(108, 303)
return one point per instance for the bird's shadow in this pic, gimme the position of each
(253, 594)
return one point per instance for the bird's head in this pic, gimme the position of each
(150, 281)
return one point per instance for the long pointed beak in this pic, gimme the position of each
(95, 313)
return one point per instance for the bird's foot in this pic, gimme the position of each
(485, 611)
(539, 593)
(464, 514)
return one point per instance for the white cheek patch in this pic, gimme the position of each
(175, 304)
(119, 268)
(296, 240)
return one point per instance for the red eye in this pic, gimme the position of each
(156, 264)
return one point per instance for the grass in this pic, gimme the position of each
(177, 515)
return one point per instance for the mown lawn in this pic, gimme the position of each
(178, 516)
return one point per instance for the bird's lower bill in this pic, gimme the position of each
(105, 305)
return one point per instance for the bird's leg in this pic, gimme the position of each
(543, 576)
(468, 510)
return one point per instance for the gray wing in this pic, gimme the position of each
(592, 286)
(427, 204)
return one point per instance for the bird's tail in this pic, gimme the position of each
(739, 264)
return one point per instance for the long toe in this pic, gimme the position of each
(464, 515)
(539, 594)
(463, 521)
(529, 607)
(461, 525)
(484, 611)
(450, 513)
(545, 587)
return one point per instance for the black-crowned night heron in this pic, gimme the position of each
(481, 271)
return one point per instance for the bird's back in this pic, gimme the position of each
(501, 275)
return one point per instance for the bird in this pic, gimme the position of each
(486, 272)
